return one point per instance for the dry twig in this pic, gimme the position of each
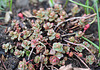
(82, 46)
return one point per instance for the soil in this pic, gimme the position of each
(12, 62)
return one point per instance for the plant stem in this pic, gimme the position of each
(83, 5)
(96, 4)
(66, 3)
(87, 9)
(81, 60)
(82, 46)
(90, 42)
(10, 5)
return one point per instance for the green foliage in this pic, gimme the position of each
(90, 59)
(66, 48)
(79, 34)
(58, 47)
(96, 4)
(59, 55)
(37, 59)
(51, 34)
(13, 35)
(72, 39)
(39, 48)
(22, 65)
(7, 47)
(48, 25)
(5, 3)
(54, 60)
(18, 53)
(51, 3)
(79, 48)
(26, 44)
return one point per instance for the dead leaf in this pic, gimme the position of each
(3, 58)
(68, 67)
(27, 14)
(81, 69)
(7, 16)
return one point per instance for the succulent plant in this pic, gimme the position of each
(36, 25)
(86, 44)
(54, 60)
(79, 34)
(65, 58)
(39, 48)
(18, 53)
(62, 62)
(79, 48)
(33, 43)
(89, 59)
(66, 48)
(7, 47)
(34, 12)
(60, 19)
(40, 13)
(26, 44)
(70, 54)
(63, 14)
(52, 52)
(22, 65)
(26, 33)
(59, 55)
(58, 47)
(13, 35)
(45, 61)
(57, 8)
(52, 16)
(75, 10)
(57, 35)
(72, 39)
(46, 52)
(51, 34)
(37, 59)
(80, 54)
(30, 66)
(48, 25)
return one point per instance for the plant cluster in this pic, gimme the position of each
(43, 40)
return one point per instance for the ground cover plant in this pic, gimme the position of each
(49, 38)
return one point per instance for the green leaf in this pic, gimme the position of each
(58, 47)
(6, 50)
(11, 51)
(59, 55)
(51, 3)
(27, 53)
(51, 38)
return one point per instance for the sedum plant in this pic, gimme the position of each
(58, 47)
(51, 34)
(48, 25)
(22, 65)
(79, 48)
(54, 60)
(26, 44)
(89, 59)
(37, 59)
(13, 35)
(7, 47)
(18, 53)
